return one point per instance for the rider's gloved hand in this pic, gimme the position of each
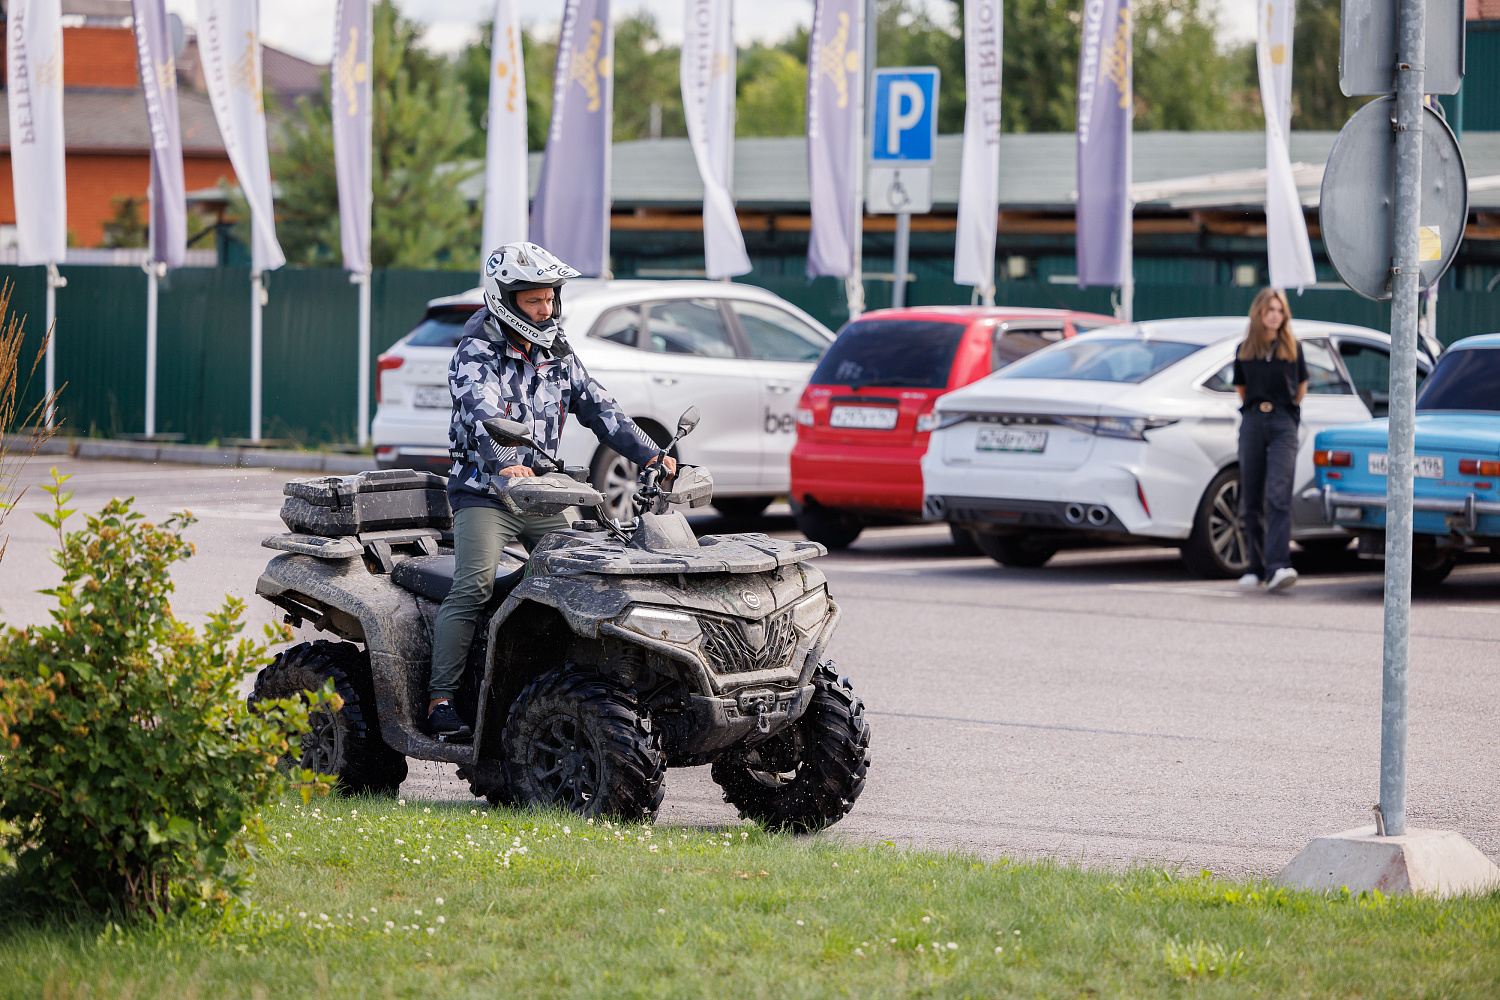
(667, 462)
(514, 471)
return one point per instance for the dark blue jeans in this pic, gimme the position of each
(1268, 459)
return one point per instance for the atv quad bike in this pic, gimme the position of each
(611, 652)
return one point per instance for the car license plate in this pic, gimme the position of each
(1008, 439)
(1427, 466)
(431, 397)
(874, 418)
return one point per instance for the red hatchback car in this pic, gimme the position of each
(862, 423)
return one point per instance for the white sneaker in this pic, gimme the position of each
(1282, 579)
(1249, 580)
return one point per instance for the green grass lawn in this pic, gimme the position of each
(362, 897)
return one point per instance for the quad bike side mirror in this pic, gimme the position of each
(688, 421)
(510, 432)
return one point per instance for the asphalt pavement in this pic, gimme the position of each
(1107, 708)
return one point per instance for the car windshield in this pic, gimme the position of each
(440, 329)
(1464, 380)
(893, 352)
(1105, 360)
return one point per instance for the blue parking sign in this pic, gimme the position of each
(904, 126)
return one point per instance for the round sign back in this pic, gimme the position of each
(1357, 205)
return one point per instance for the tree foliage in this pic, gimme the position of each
(422, 141)
(1317, 102)
(133, 770)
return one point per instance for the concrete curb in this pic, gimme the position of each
(189, 454)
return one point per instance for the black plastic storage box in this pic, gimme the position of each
(371, 501)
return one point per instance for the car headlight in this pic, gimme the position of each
(810, 613)
(672, 626)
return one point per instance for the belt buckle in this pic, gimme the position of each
(1265, 407)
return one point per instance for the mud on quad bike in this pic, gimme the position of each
(611, 652)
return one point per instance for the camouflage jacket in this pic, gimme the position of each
(489, 378)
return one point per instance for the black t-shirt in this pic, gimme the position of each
(1271, 380)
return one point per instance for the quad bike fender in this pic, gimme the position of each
(342, 597)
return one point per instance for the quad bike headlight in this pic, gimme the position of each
(671, 626)
(810, 613)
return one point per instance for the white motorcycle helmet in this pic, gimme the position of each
(518, 267)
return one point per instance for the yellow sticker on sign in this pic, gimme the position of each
(1429, 244)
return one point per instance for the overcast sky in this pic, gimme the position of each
(305, 27)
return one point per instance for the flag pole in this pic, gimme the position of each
(362, 279)
(154, 271)
(54, 282)
(257, 299)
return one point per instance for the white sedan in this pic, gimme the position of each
(739, 353)
(1130, 434)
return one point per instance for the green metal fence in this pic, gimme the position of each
(203, 372)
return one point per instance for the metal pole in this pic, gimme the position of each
(1127, 287)
(903, 251)
(363, 281)
(1405, 279)
(153, 272)
(257, 299)
(54, 281)
(854, 285)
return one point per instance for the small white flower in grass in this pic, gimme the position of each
(926, 920)
(417, 912)
(860, 952)
(567, 831)
(999, 949)
(744, 836)
(389, 924)
(799, 923)
(920, 948)
(1018, 933)
(432, 930)
(652, 848)
(660, 910)
(289, 836)
(301, 915)
(952, 945)
(473, 812)
(373, 910)
(893, 940)
(400, 802)
(323, 917)
(440, 901)
(426, 809)
(442, 920)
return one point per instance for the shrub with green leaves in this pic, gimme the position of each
(133, 772)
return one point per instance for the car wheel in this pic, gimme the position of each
(1217, 547)
(746, 507)
(614, 475)
(832, 528)
(1430, 567)
(963, 541)
(1016, 551)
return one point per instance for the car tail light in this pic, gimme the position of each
(1478, 467)
(385, 363)
(928, 422)
(1340, 459)
(804, 416)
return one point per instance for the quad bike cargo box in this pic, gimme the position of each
(371, 501)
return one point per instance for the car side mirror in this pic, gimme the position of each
(510, 432)
(688, 421)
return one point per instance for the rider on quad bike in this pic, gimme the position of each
(512, 363)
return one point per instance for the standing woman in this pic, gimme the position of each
(1271, 378)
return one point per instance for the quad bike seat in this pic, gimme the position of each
(432, 577)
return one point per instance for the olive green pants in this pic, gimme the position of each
(480, 535)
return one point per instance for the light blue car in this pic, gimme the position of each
(1457, 504)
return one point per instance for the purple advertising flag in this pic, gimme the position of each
(158, 66)
(835, 111)
(570, 214)
(350, 99)
(1104, 127)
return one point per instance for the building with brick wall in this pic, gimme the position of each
(107, 132)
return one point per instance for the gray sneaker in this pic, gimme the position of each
(1282, 579)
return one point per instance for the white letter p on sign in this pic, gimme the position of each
(899, 119)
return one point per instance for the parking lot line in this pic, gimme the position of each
(906, 565)
(1037, 725)
(1195, 590)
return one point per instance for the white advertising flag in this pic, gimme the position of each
(979, 178)
(350, 93)
(708, 104)
(1287, 247)
(229, 45)
(505, 180)
(34, 63)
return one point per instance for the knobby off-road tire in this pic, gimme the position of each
(1016, 551)
(488, 780)
(1217, 548)
(808, 776)
(346, 743)
(575, 741)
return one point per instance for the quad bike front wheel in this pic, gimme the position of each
(346, 743)
(807, 776)
(575, 741)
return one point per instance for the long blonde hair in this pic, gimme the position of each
(1258, 339)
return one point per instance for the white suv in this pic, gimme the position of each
(739, 353)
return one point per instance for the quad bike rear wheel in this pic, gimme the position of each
(807, 776)
(346, 743)
(575, 741)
